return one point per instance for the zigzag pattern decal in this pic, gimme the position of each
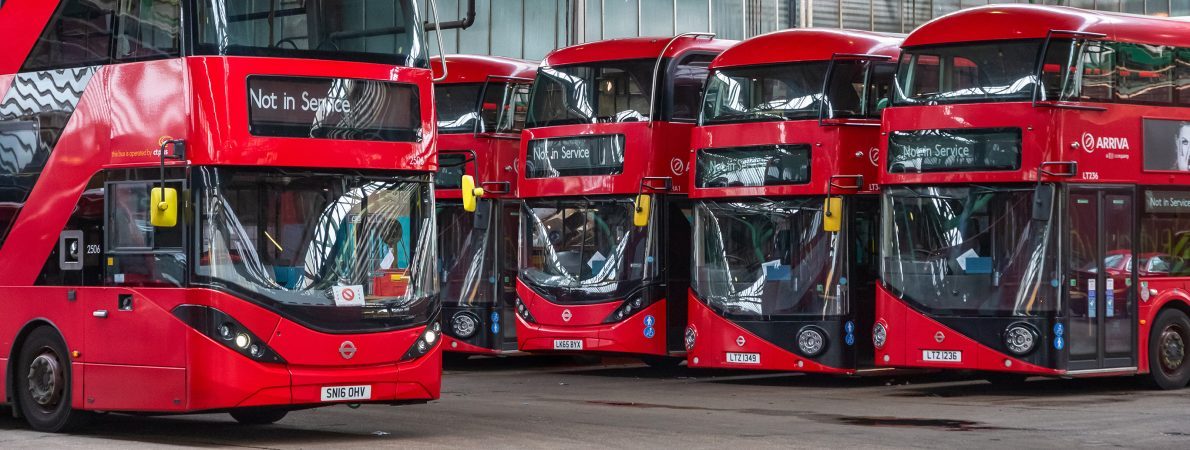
(44, 100)
(46, 91)
(33, 114)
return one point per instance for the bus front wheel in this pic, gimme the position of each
(43, 383)
(1169, 366)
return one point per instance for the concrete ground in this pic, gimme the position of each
(538, 402)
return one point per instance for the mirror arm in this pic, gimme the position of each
(859, 184)
(179, 154)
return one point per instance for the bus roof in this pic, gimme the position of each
(1003, 22)
(477, 68)
(807, 44)
(632, 48)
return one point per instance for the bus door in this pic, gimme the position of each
(509, 213)
(1100, 300)
(675, 242)
(130, 339)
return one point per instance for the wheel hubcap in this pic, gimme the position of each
(1173, 349)
(45, 379)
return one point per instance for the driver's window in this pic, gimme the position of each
(504, 107)
(138, 253)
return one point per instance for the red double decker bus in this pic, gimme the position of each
(215, 206)
(1034, 192)
(785, 212)
(604, 240)
(481, 110)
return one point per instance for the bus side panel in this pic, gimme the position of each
(19, 306)
(22, 22)
(150, 108)
(137, 343)
(135, 388)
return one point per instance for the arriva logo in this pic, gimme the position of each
(1092, 143)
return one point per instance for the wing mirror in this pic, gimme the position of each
(163, 211)
(643, 207)
(1043, 202)
(832, 217)
(471, 194)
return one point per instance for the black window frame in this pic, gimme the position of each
(666, 109)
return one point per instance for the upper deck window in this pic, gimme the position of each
(380, 31)
(612, 91)
(794, 91)
(96, 32)
(1124, 73)
(79, 34)
(969, 72)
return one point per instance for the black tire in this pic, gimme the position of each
(43, 383)
(258, 416)
(661, 362)
(1008, 380)
(454, 359)
(587, 360)
(1169, 366)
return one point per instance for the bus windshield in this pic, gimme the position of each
(467, 256)
(585, 251)
(296, 241)
(969, 72)
(612, 91)
(379, 31)
(971, 250)
(764, 258)
(794, 91)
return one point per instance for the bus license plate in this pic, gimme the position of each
(568, 344)
(743, 358)
(942, 355)
(341, 393)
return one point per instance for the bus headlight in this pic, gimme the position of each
(523, 311)
(464, 325)
(691, 336)
(626, 309)
(879, 335)
(227, 331)
(811, 341)
(242, 340)
(1020, 338)
(424, 343)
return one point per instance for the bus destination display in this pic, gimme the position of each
(755, 166)
(575, 156)
(333, 108)
(954, 150)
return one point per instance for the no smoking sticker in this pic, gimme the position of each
(349, 295)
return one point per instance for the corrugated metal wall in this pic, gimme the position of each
(531, 28)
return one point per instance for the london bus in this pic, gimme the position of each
(215, 206)
(481, 110)
(604, 239)
(1034, 196)
(785, 207)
